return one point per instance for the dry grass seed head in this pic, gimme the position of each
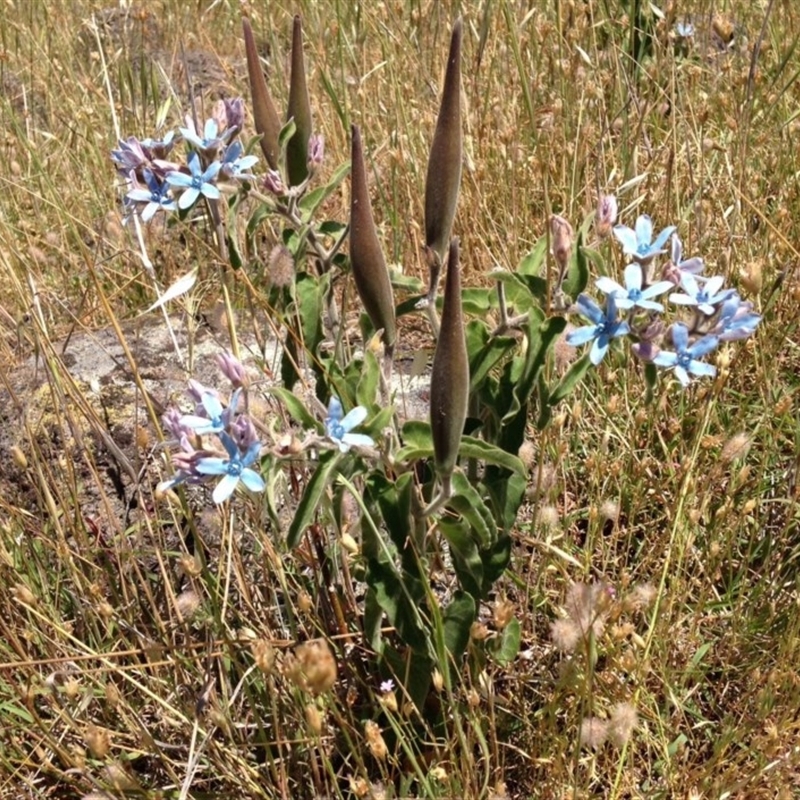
(623, 722)
(593, 733)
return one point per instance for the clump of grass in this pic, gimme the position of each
(152, 646)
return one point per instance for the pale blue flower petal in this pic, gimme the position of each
(644, 230)
(703, 369)
(354, 418)
(599, 350)
(252, 480)
(212, 466)
(225, 488)
(633, 277)
(608, 286)
(358, 440)
(582, 335)
(627, 238)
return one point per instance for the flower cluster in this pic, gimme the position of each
(196, 464)
(717, 314)
(215, 163)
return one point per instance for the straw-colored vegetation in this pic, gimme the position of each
(153, 645)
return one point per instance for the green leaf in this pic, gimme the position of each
(367, 389)
(401, 600)
(469, 503)
(261, 212)
(541, 337)
(464, 552)
(408, 283)
(495, 559)
(506, 646)
(533, 262)
(572, 377)
(417, 444)
(471, 447)
(417, 441)
(312, 496)
(458, 618)
(394, 501)
(578, 270)
(506, 493)
(310, 202)
(287, 131)
(521, 290)
(298, 412)
(485, 351)
(476, 300)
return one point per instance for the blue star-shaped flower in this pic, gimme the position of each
(638, 243)
(685, 359)
(234, 164)
(632, 295)
(704, 297)
(156, 196)
(218, 417)
(338, 428)
(210, 140)
(606, 326)
(197, 183)
(737, 320)
(235, 468)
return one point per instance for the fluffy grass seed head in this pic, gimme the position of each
(565, 635)
(736, 448)
(594, 732)
(280, 267)
(623, 722)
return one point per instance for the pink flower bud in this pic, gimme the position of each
(606, 214)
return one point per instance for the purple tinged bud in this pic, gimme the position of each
(171, 420)
(234, 114)
(450, 374)
(243, 432)
(232, 369)
(196, 391)
(316, 151)
(645, 351)
(606, 217)
(562, 236)
(273, 183)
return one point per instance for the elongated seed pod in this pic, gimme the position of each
(366, 257)
(450, 374)
(444, 163)
(265, 116)
(299, 110)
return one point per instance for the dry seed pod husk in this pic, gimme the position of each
(450, 373)
(366, 257)
(444, 163)
(299, 110)
(265, 116)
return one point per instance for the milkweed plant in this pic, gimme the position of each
(424, 489)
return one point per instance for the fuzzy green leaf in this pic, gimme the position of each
(312, 497)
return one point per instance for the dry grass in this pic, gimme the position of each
(135, 660)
